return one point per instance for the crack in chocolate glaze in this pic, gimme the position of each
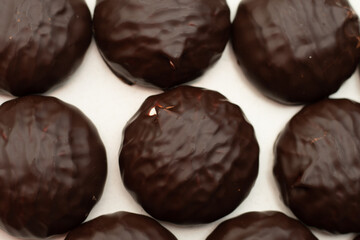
(189, 156)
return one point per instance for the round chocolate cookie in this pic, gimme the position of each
(317, 165)
(161, 42)
(296, 51)
(189, 156)
(52, 167)
(261, 225)
(41, 43)
(121, 225)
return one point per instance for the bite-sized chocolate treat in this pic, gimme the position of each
(41, 43)
(317, 165)
(296, 51)
(52, 167)
(189, 156)
(161, 42)
(269, 225)
(121, 225)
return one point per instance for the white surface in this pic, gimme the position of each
(109, 103)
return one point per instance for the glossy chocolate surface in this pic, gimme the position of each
(52, 167)
(296, 51)
(261, 225)
(161, 42)
(189, 156)
(121, 226)
(41, 43)
(317, 165)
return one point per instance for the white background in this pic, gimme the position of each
(109, 103)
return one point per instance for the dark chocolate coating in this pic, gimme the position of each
(317, 165)
(189, 156)
(161, 42)
(296, 51)
(121, 226)
(261, 225)
(357, 238)
(41, 43)
(52, 167)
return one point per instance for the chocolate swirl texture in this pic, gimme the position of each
(161, 42)
(317, 165)
(41, 43)
(52, 167)
(121, 225)
(296, 51)
(189, 156)
(261, 225)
